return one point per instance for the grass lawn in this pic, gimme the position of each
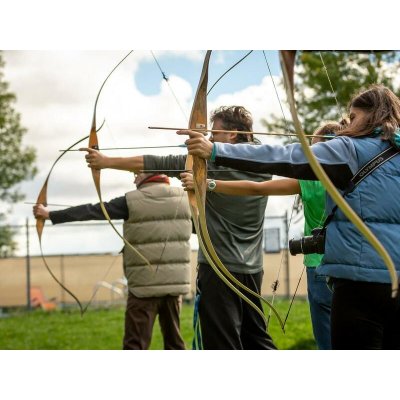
(102, 329)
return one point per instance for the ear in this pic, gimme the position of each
(233, 137)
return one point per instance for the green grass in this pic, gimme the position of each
(102, 329)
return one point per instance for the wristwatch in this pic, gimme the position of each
(211, 185)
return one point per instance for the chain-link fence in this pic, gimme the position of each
(85, 258)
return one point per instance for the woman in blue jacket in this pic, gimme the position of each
(364, 315)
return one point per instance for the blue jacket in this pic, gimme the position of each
(348, 254)
(376, 199)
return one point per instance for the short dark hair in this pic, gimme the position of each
(235, 118)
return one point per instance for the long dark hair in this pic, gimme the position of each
(382, 108)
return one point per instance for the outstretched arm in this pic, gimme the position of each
(338, 157)
(278, 187)
(116, 208)
(96, 159)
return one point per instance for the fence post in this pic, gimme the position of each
(286, 250)
(28, 268)
(62, 280)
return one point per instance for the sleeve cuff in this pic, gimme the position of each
(213, 153)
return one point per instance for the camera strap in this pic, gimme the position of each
(362, 173)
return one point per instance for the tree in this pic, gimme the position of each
(347, 71)
(16, 160)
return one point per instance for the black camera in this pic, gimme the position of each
(314, 244)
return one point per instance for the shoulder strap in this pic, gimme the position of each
(370, 167)
(363, 172)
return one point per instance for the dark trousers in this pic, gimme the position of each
(228, 322)
(140, 315)
(320, 301)
(364, 316)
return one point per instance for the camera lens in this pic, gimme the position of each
(295, 246)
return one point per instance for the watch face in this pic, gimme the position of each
(211, 185)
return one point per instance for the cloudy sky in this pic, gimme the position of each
(56, 91)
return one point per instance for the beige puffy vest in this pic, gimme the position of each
(159, 227)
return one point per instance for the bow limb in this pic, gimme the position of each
(287, 59)
(198, 119)
(94, 144)
(42, 199)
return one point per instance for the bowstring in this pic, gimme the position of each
(166, 79)
(339, 108)
(229, 69)
(320, 224)
(114, 259)
(277, 96)
(276, 283)
(341, 116)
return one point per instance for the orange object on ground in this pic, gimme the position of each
(38, 299)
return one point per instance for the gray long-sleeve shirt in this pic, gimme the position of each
(235, 223)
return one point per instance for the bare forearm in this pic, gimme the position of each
(97, 160)
(134, 164)
(279, 187)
